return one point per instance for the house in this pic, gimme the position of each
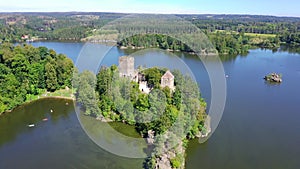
(24, 37)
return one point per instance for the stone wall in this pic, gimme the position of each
(126, 66)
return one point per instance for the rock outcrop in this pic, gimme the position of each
(150, 139)
(273, 77)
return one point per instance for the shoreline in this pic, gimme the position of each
(114, 43)
(34, 100)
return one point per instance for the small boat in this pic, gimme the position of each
(51, 111)
(30, 125)
(226, 76)
(45, 119)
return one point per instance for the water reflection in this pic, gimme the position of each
(290, 49)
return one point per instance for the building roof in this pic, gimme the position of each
(168, 75)
(126, 58)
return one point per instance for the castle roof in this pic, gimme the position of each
(168, 75)
(127, 58)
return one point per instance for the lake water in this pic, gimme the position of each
(259, 129)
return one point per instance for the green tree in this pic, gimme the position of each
(177, 99)
(104, 78)
(128, 112)
(142, 103)
(64, 70)
(153, 77)
(36, 74)
(86, 93)
(51, 77)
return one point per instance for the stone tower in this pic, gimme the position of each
(126, 67)
(167, 80)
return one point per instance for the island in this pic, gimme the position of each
(273, 77)
(165, 107)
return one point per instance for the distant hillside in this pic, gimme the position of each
(231, 34)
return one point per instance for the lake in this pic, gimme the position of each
(259, 128)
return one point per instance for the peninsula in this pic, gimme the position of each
(28, 73)
(164, 106)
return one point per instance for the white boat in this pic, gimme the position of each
(31, 125)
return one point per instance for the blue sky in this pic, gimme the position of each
(262, 7)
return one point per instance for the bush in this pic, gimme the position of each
(175, 163)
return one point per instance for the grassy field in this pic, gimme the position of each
(62, 93)
(225, 31)
(260, 35)
(249, 34)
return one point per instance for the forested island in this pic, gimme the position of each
(230, 34)
(166, 108)
(27, 72)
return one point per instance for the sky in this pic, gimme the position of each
(253, 7)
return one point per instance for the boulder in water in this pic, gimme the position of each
(273, 77)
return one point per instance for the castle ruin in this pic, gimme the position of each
(167, 80)
(126, 69)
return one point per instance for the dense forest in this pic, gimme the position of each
(230, 34)
(26, 71)
(154, 41)
(50, 26)
(224, 42)
(178, 114)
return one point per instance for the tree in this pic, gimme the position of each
(104, 79)
(153, 77)
(32, 53)
(51, 77)
(158, 102)
(43, 52)
(20, 66)
(86, 93)
(3, 106)
(36, 75)
(177, 99)
(128, 112)
(142, 103)
(87, 99)
(64, 70)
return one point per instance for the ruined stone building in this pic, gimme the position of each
(167, 80)
(126, 67)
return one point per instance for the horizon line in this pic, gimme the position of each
(161, 13)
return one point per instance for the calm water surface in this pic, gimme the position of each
(259, 129)
(59, 142)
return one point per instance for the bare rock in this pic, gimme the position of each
(150, 139)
